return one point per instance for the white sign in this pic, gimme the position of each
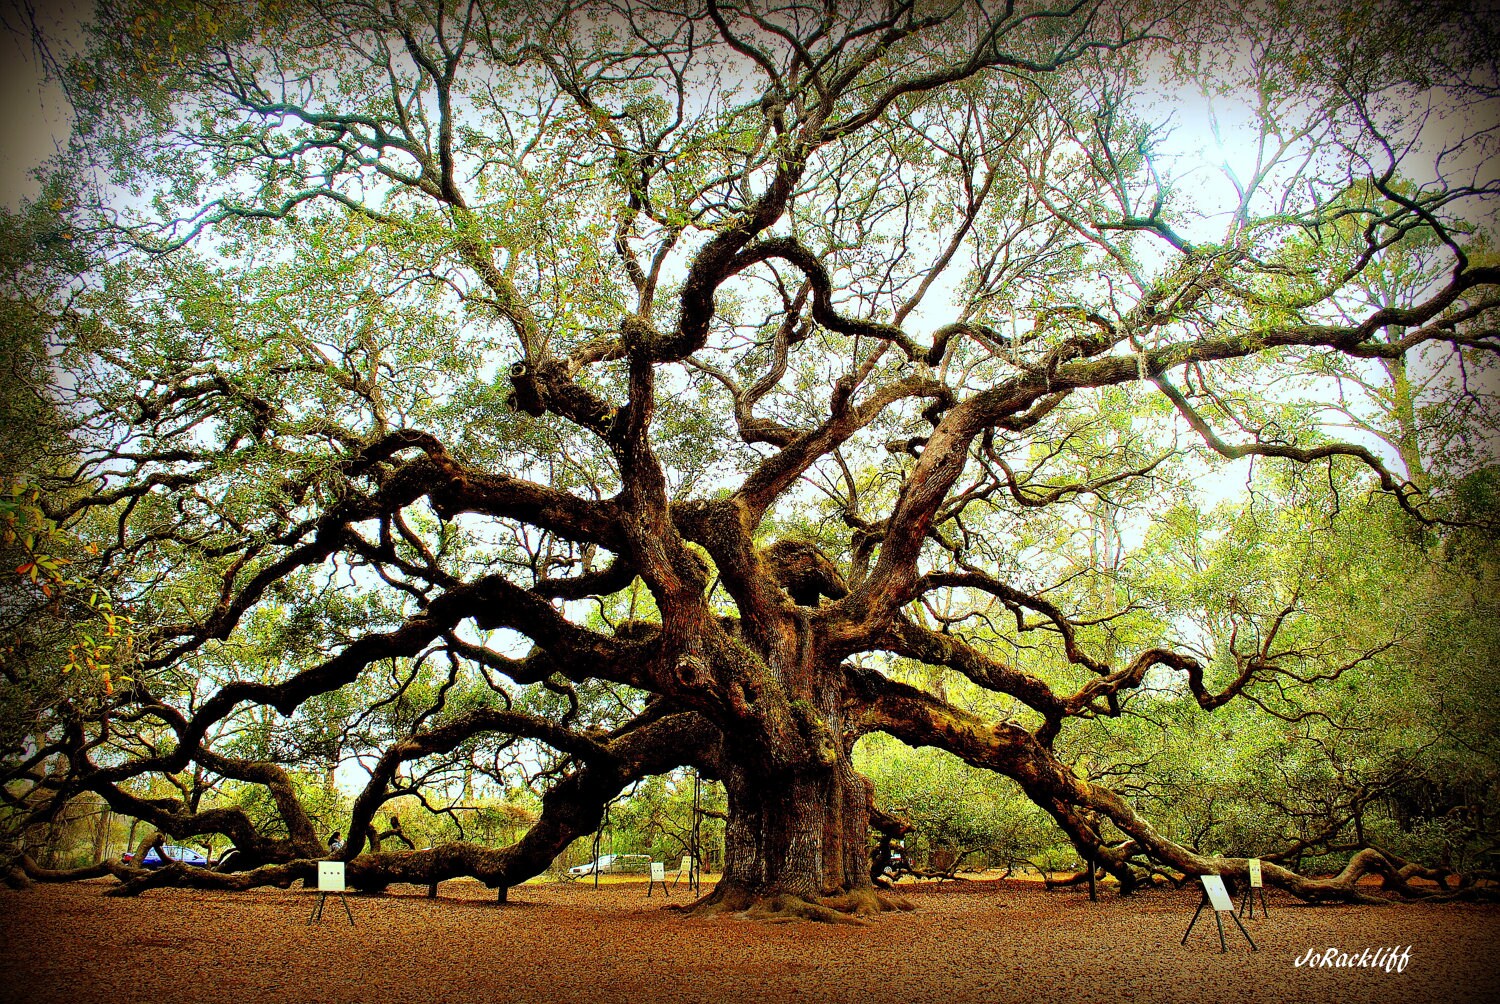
(330, 876)
(658, 872)
(1218, 896)
(1255, 882)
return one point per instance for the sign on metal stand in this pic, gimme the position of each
(658, 875)
(688, 869)
(1215, 895)
(1256, 887)
(330, 883)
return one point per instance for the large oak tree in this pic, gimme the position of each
(720, 355)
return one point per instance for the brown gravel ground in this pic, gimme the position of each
(975, 941)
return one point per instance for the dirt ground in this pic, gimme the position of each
(976, 941)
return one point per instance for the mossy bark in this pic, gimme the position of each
(797, 839)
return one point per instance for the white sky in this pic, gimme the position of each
(34, 115)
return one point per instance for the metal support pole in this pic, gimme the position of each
(1240, 926)
(598, 835)
(317, 913)
(695, 866)
(1247, 904)
(1219, 923)
(1201, 904)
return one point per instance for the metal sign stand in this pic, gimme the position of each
(1216, 896)
(1256, 887)
(658, 877)
(330, 883)
(685, 869)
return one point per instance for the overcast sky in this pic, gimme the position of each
(34, 115)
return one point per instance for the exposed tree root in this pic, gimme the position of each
(844, 908)
(783, 909)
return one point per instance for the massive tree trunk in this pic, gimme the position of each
(796, 840)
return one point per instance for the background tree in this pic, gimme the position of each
(595, 392)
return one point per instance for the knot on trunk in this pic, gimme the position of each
(691, 670)
(693, 568)
(820, 744)
(804, 571)
(544, 386)
(525, 394)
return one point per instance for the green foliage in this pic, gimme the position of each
(957, 809)
(656, 818)
(1378, 727)
(297, 238)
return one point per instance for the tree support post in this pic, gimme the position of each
(695, 839)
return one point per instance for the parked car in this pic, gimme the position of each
(614, 864)
(174, 852)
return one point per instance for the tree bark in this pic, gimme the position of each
(797, 837)
(797, 845)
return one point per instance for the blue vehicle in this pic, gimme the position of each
(174, 852)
